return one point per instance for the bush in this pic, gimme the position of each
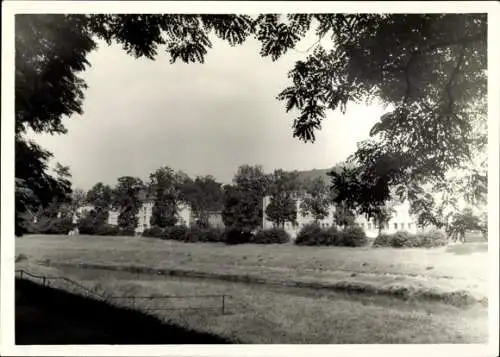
(116, 231)
(383, 240)
(431, 239)
(210, 235)
(271, 236)
(47, 225)
(236, 236)
(86, 227)
(109, 230)
(352, 236)
(309, 234)
(178, 233)
(406, 240)
(193, 235)
(154, 232)
(313, 234)
(403, 240)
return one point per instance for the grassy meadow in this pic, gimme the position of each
(263, 313)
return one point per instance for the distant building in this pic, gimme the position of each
(400, 221)
(146, 212)
(184, 215)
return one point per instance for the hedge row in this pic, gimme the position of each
(406, 240)
(313, 234)
(229, 236)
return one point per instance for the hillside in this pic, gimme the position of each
(306, 175)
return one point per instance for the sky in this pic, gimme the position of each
(203, 119)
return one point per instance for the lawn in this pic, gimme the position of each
(446, 269)
(264, 313)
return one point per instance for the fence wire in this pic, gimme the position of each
(211, 303)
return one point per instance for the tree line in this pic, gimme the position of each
(240, 203)
(430, 68)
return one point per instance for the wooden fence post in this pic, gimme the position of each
(223, 303)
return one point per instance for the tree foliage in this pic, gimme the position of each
(126, 199)
(243, 200)
(242, 210)
(204, 195)
(343, 216)
(164, 188)
(101, 197)
(281, 209)
(282, 188)
(317, 199)
(429, 68)
(462, 222)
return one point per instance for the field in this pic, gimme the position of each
(296, 299)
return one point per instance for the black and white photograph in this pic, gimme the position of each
(180, 173)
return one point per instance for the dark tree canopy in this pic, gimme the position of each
(282, 187)
(164, 189)
(317, 199)
(126, 198)
(100, 196)
(462, 222)
(204, 194)
(430, 68)
(242, 211)
(343, 216)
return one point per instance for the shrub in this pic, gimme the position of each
(308, 235)
(431, 239)
(352, 236)
(85, 227)
(193, 235)
(237, 236)
(154, 232)
(271, 236)
(403, 240)
(406, 240)
(115, 231)
(383, 240)
(177, 233)
(313, 234)
(212, 235)
(48, 225)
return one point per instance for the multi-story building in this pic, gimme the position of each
(184, 216)
(400, 221)
(146, 212)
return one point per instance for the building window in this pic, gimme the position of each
(409, 225)
(395, 226)
(369, 226)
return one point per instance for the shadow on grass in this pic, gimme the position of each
(47, 316)
(467, 248)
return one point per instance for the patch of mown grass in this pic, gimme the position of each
(452, 272)
(260, 313)
(397, 290)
